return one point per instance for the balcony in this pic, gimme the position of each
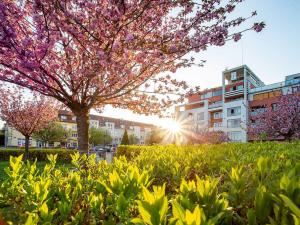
(234, 93)
(215, 105)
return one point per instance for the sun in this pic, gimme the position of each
(171, 126)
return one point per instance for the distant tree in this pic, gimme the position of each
(26, 116)
(88, 54)
(208, 137)
(282, 120)
(99, 137)
(54, 132)
(125, 139)
(133, 140)
(155, 137)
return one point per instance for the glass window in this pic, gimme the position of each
(235, 111)
(217, 92)
(232, 123)
(235, 136)
(200, 116)
(218, 124)
(233, 76)
(240, 87)
(274, 107)
(74, 118)
(295, 89)
(63, 117)
(206, 95)
(217, 115)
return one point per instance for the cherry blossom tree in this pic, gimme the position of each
(88, 54)
(208, 137)
(26, 116)
(280, 121)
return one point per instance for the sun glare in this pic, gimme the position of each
(171, 126)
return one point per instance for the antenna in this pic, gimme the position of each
(242, 44)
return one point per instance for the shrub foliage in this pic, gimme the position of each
(188, 185)
(39, 154)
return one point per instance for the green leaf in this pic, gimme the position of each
(291, 205)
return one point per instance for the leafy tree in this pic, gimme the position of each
(54, 132)
(88, 54)
(99, 136)
(26, 116)
(156, 137)
(280, 121)
(133, 140)
(125, 139)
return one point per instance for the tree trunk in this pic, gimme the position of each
(82, 120)
(26, 147)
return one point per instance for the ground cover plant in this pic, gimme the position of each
(207, 184)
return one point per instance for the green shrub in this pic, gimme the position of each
(39, 154)
(256, 183)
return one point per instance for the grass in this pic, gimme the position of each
(40, 166)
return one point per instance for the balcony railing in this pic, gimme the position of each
(276, 85)
(234, 93)
(215, 105)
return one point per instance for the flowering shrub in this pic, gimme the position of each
(239, 184)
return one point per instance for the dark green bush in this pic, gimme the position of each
(39, 154)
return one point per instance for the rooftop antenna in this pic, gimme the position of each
(242, 44)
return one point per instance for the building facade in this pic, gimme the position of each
(114, 127)
(228, 107)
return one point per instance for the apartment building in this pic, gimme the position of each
(114, 127)
(227, 108)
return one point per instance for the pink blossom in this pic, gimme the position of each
(237, 37)
(259, 26)
(129, 37)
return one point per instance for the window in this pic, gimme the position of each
(233, 76)
(235, 136)
(110, 125)
(74, 127)
(217, 92)
(257, 111)
(74, 118)
(235, 111)
(240, 87)
(63, 117)
(21, 142)
(74, 144)
(200, 116)
(74, 135)
(206, 95)
(266, 95)
(122, 126)
(51, 144)
(233, 88)
(232, 123)
(295, 89)
(217, 115)
(274, 107)
(218, 124)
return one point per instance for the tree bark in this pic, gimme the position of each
(82, 120)
(26, 147)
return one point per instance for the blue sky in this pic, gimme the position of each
(271, 54)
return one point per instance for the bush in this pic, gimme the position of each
(39, 154)
(226, 184)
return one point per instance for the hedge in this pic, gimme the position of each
(39, 154)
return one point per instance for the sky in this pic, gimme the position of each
(271, 54)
